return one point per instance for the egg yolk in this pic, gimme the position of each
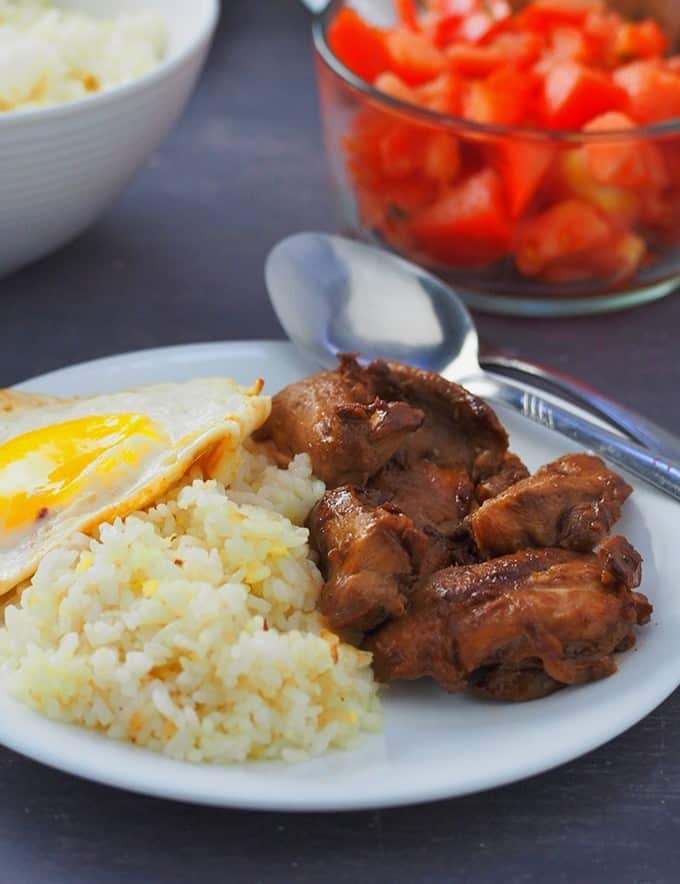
(44, 468)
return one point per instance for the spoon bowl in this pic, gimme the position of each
(334, 295)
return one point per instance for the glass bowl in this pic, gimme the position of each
(495, 269)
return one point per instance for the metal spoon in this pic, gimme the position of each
(333, 295)
(639, 428)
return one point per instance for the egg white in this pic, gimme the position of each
(206, 419)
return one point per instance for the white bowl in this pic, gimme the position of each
(62, 166)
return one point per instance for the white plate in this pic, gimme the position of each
(433, 745)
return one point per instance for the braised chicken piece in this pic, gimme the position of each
(351, 422)
(571, 503)
(458, 430)
(621, 562)
(370, 556)
(520, 626)
(431, 495)
(519, 685)
(337, 418)
(512, 470)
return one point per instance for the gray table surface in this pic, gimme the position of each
(179, 259)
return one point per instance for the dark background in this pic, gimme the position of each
(180, 259)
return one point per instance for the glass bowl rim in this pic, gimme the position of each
(665, 128)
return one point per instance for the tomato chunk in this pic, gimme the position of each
(359, 45)
(442, 158)
(520, 50)
(402, 150)
(503, 98)
(445, 30)
(620, 257)
(408, 13)
(630, 163)
(562, 231)
(485, 22)
(474, 60)
(643, 39)
(653, 91)
(451, 14)
(469, 224)
(413, 57)
(453, 8)
(395, 87)
(574, 179)
(523, 166)
(615, 260)
(443, 94)
(393, 202)
(544, 15)
(574, 94)
(568, 44)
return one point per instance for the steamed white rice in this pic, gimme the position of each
(50, 55)
(190, 628)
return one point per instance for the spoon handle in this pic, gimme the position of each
(639, 428)
(657, 471)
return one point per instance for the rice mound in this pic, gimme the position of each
(50, 55)
(190, 628)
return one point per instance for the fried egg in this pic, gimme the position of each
(69, 466)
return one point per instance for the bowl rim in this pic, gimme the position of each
(320, 24)
(164, 69)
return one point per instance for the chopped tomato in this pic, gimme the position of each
(521, 50)
(643, 39)
(363, 146)
(615, 260)
(660, 211)
(442, 158)
(402, 150)
(620, 257)
(623, 162)
(443, 94)
(600, 30)
(670, 150)
(408, 196)
(485, 22)
(544, 15)
(564, 230)
(468, 224)
(569, 44)
(481, 105)
(407, 151)
(457, 8)
(480, 25)
(653, 91)
(474, 60)
(408, 13)
(503, 98)
(445, 30)
(574, 179)
(360, 45)
(574, 94)
(413, 57)
(522, 166)
(395, 87)
(611, 121)
(388, 207)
